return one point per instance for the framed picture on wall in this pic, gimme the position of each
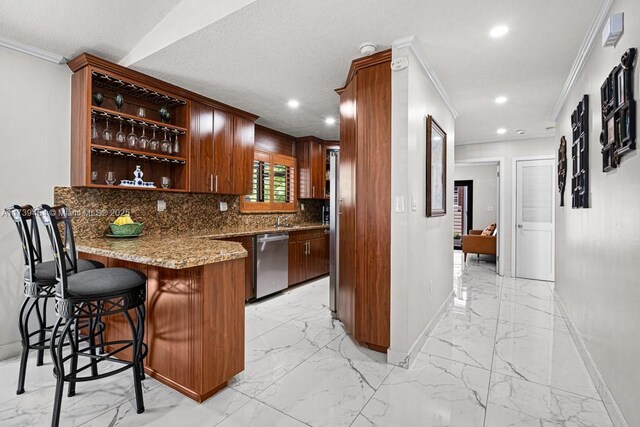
(621, 88)
(611, 131)
(436, 169)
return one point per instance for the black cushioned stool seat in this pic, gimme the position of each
(105, 282)
(46, 271)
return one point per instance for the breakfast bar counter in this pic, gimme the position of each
(194, 324)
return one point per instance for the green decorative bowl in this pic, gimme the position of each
(133, 229)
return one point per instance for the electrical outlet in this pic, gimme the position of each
(301, 206)
(162, 205)
(414, 203)
(223, 207)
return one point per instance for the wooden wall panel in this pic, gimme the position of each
(272, 141)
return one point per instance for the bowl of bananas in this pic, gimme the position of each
(124, 226)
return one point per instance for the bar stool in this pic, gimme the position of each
(38, 287)
(85, 296)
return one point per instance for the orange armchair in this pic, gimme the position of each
(475, 243)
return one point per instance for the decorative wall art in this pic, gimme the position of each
(618, 135)
(580, 155)
(562, 168)
(436, 169)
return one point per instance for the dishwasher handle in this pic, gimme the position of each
(265, 238)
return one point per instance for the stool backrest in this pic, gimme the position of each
(63, 245)
(25, 219)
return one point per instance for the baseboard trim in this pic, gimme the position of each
(601, 386)
(10, 350)
(405, 360)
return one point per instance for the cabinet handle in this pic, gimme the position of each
(309, 246)
(313, 191)
(211, 182)
(216, 183)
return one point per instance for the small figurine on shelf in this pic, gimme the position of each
(119, 101)
(138, 177)
(165, 116)
(97, 98)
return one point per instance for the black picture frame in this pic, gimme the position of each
(580, 155)
(618, 136)
(562, 168)
(436, 169)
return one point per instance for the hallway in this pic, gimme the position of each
(501, 355)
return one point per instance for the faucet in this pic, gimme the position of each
(278, 221)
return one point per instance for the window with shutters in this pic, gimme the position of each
(274, 184)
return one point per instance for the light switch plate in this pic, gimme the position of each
(162, 205)
(400, 204)
(223, 207)
(414, 203)
(301, 206)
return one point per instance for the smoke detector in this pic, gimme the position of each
(367, 48)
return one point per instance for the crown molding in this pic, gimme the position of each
(539, 135)
(593, 33)
(33, 51)
(416, 47)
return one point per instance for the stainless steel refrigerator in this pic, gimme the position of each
(334, 227)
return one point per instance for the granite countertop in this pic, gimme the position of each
(167, 252)
(177, 252)
(252, 231)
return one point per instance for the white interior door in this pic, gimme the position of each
(535, 240)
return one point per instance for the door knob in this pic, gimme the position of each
(520, 226)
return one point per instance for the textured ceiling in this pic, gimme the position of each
(274, 50)
(108, 28)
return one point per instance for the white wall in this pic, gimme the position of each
(507, 150)
(485, 192)
(35, 113)
(421, 249)
(597, 249)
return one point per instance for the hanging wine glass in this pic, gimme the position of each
(176, 145)
(107, 135)
(132, 138)
(154, 144)
(165, 146)
(94, 129)
(143, 142)
(121, 137)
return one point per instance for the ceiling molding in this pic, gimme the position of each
(416, 47)
(538, 135)
(593, 33)
(33, 51)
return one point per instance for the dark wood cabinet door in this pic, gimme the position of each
(316, 258)
(243, 147)
(247, 244)
(223, 152)
(297, 262)
(318, 172)
(201, 152)
(303, 154)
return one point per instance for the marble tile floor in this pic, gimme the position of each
(500, 356)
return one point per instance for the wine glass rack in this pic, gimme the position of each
(117, 85)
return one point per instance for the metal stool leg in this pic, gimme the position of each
(23, 326)
(58, 362)
(41, 335)
(74, 336)
(135, 358)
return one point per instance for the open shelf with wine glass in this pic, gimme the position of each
(124, 125)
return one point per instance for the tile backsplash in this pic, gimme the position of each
(94, 209)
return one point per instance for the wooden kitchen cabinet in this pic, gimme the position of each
(311, 167)
(222, 151)
(365, 218)
(308, 255)
(247, 244)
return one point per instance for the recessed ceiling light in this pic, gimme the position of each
(498, 31)
(521, 132)
(501, 100)
(501, 131)
(293, 103)
(330, 121)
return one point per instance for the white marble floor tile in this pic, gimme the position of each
(532, 314)
(257, 414)
(433, 392)
(37, 376)
(164, 406)
(332, 386)
(259, 322)
(515, 402)
(273, 354)
(462, 340)
(91, 400)
(544, 356)
(322, 317)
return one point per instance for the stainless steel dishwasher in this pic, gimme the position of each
(272, 263)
